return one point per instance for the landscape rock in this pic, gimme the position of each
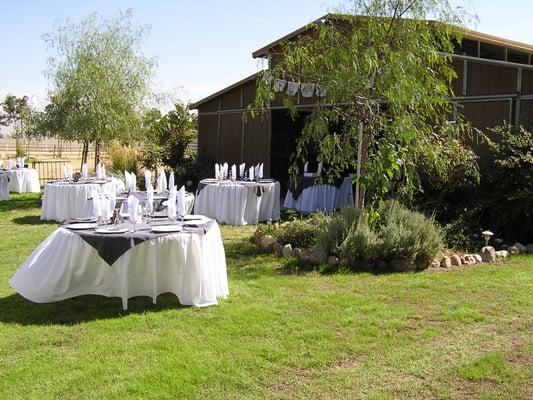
(529, 249)
(402, 265)
(297, 252)
(319, 256)
(305, 255)
(258, 235)
(278, 249)
(435, 264)
(267, 242)
(513, 250)
(421, 265)
(477, 257)
(455, 260)
(344, 262)
(445, 262)
(521, 248)
(502, 254)
(332, 260)
(488, 254)
(287, 250)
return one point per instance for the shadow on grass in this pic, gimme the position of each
(17, 309)
(19, 202)
(32, 220)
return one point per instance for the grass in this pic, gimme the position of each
(464, 334)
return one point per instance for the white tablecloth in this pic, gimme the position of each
(23, 180)
(322, 198)
(237, 203)
(64, 201)
(4, 186)
(191, 266)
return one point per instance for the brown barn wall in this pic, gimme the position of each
(208, 106)
(457, 83)
(527, 82)
(230, 150)
(257, 142)
(488, 79)
(526, 113)
(486, 114)
(208, 136)
(231, 100)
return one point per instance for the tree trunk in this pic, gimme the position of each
(96, 153)
(362, 156)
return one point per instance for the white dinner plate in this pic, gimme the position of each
(82, 225)
(192, 216)
(166, 228)
(112, 229)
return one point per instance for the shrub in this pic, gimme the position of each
(333, 229)
(124, 158)
(298, 233)
(361, 242)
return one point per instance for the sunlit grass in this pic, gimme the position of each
(461, 334)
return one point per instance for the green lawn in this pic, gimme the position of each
(463, 334)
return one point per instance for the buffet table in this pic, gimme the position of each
(308, 196)
(72, 262)
(238, 202)
(64, 200)
(23, 180)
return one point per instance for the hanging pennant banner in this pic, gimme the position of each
(321, 91)
(279, 85)
(292, 88)
(307, 89)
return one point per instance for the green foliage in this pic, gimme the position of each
(299, 233)
(124, 158)
(100, 79)
(383, 67)
(169, 136)
(389, 232)
(334, 228)
(406, 234)
(19, 148)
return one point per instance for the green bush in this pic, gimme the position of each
(394, 233)
(299, 233)
(333, 228)
(124, 158)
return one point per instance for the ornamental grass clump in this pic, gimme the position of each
(298, 233)
(333, 229)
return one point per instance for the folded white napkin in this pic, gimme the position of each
(98, 171)
(225, 169)
(161, 182)
(84, 171)
(133, 206)
(217, 172)
(103, 171)
(171, 204)
(260, 174)
(306, 166)
(171, 179)
(133, 183)
(251, 173)
(180, 202)
(11, 164)
(242, 167)
(256, 171)
(319, 170)
(147, 177)
(127, 180)
(65, 171)
(150, 198)
(233, 172)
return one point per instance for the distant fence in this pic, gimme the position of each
(45, 148)
(48, 170)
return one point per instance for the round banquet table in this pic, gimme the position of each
(64, 201)
(321, 197)
(23, 180)
(192, 265)
(238, 202)
(4, 186)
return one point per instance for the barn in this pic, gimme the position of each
(494, 84)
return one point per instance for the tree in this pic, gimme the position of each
(100, 80)
(387, 75)
(169, 136)
(15, 111)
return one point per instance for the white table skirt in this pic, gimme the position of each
(63, 201)
(191, 266)
(23, 180)
(322, 198)
(238, 203)
(4, 186)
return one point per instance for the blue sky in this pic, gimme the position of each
(201, 45)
